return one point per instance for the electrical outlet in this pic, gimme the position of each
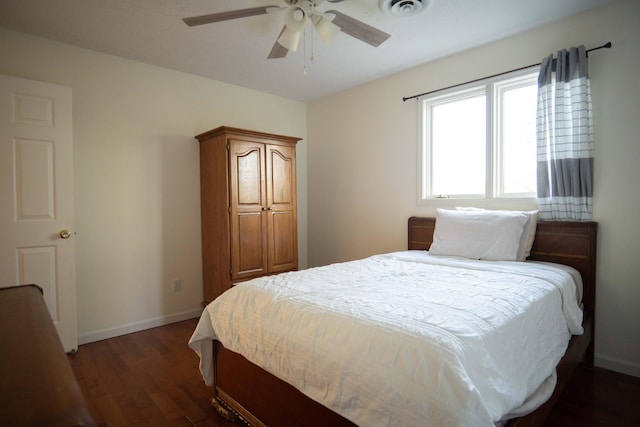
(177, 285)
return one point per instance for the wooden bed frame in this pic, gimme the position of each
(245, 393)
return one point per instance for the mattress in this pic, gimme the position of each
(404, 338)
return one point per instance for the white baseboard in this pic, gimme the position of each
(104, 334)
(617, 365)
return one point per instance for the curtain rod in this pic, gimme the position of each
(604, 46)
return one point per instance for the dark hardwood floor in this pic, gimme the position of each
(151, 378)
(598, 397)
(147, 378)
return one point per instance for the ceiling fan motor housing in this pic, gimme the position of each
(403, 8)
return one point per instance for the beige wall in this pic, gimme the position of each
(137, 175)
(362, 166)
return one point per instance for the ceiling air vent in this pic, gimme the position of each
(403, 8)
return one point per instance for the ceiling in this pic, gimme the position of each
(235, 52)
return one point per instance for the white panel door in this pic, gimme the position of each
(36, 196)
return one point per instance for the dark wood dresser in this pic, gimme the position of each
(37, 385)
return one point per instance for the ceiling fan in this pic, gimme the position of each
(297, 13)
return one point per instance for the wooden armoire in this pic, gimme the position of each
(248, 203)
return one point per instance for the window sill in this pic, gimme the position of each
(520, 203)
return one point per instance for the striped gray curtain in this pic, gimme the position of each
(565, 137)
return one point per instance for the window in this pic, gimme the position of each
(480, 141)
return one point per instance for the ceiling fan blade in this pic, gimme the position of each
(226, 16)
(278, 51)
(276, 9)
(358, 29)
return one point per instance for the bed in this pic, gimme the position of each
(249, 389)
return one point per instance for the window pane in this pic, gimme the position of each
(519, 140)
(458, 144)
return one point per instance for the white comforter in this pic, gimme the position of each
(405, 338)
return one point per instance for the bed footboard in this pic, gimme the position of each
(266, 400)
(226, 411)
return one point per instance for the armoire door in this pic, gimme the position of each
(248, 205)
(282, 221)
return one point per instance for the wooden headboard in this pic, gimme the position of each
(563, 242)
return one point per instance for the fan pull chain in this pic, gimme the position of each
(311, 57)
(304, 61)
(312, 46)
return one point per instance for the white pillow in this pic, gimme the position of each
(528, 233)
(488, 235)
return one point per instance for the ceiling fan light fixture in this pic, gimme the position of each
(325, 28)
(295, 18)
(289, 39)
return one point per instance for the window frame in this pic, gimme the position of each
(491, 88)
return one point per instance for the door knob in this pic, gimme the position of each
(65, 234)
